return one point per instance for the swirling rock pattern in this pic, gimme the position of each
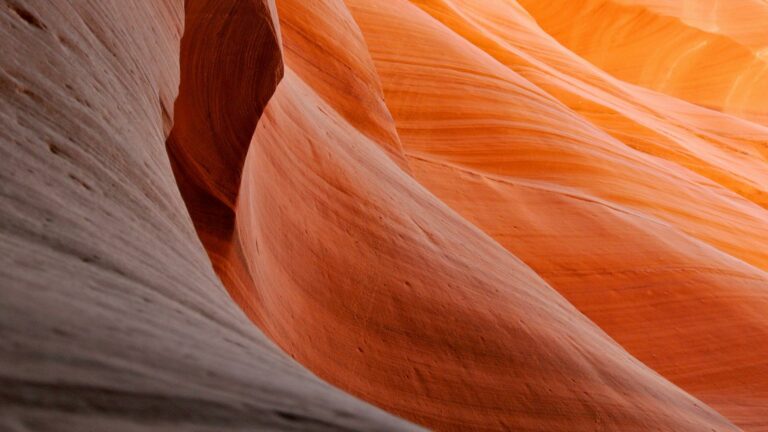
(474, 215)
(111, 317)
(710, 52)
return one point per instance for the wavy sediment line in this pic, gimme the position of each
(708, 53)
(636, 267)
(340, 254)
(110, 315)
(231, 63)
(430, 204)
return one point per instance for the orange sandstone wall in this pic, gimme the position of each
(709, 52)
(598, 185)
(111, 318)
(365, 277)
(476, 215)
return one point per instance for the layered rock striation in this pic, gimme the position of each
(464, 215)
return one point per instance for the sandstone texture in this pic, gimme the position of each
(111, 317)
(469, 215)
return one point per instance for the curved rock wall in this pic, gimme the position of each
(710, 52)
(110, 315)
(476, 215)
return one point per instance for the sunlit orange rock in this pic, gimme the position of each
(474, 215)
(340, 253)
(711, 52)
(605, 197)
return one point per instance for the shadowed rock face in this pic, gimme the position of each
(231, 63)
(433, 205)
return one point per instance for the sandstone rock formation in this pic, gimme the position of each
(524, 182)
(710, 52)
(474, 215)
(111, 317)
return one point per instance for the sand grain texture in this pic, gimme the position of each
(111, 317)
(470, 215)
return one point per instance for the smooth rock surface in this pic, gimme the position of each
(710, 52)
(475, 215)
(111, 317)
(646, 212)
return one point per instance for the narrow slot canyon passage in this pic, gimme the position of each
(480, 215)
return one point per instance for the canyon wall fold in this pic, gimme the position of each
(583, 177)
(110, 315)
(477, 215)
(335, 244)
(710, 52)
